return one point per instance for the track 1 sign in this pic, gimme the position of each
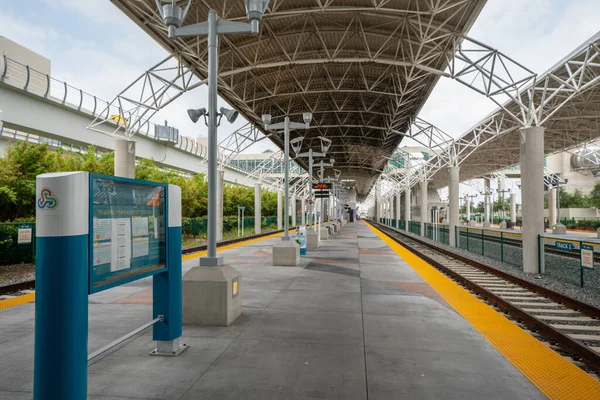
(564, 246)
(587, 256)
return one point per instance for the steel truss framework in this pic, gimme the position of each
(364, 70)
(565, 100)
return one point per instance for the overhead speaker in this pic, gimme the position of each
(196, 114)
(231, 115)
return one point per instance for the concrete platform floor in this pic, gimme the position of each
(353, 321)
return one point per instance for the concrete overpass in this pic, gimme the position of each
(35, 103)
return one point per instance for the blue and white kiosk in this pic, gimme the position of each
(96, 232)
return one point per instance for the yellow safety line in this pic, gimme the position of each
(556, 377)
(29, 297)
(17, 301)
(231, 246)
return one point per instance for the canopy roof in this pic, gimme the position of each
(364, 68)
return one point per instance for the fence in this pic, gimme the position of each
(414, 227)
(438, 233)
(196, 227)
(11, 252)
(566, 261)
(501, 246)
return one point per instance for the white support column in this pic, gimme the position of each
(124, 158)
(303, 211)
(552, 207)
(398, 214)
(453, 203)
(407, 207)
(532, 179)
(424, 207)
(293, 211)
(220, 184)
(279, 212)
(468, 208)
(257, 208)
(486, 210)
(513, 208)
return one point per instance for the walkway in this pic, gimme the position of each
(354, 321)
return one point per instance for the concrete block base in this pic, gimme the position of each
(598, 233)
(486, 224)
(324, 232)
(330, 229)
(472, 223)
(212, 296)
(312, 239)
(503, 224)
(286, 254)
(559, 229)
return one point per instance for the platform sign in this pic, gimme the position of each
(25, 234)
(322, 185)
(128, 235)
(564, 246)
(587, 256)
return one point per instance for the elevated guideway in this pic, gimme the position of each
(33, 103)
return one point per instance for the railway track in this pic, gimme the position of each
(567, 325)
(17, 288)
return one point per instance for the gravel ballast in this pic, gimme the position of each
(562, 273)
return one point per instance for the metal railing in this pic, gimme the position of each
(197, 227)
(414, 227)
(25, 78)
(502, 246)
(572, 261)
(437, 233)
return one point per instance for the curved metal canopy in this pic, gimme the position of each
(364, 68)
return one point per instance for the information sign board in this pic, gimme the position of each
(25, 234)
(324, 195)
(128, 234)
(322, 185)
(564, 246)
(587, 256)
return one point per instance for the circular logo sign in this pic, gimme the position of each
(47, 200)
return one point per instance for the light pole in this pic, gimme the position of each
(205, 299)
(471, 197)
(286, 125)
(173, 15)
(296, 145)
(503, 223)
(322, 165)
(333, 180)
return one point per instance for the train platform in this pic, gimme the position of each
(516, 233)
(357, 319)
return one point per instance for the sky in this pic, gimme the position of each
(95, 47)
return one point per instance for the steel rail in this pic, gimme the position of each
(28, 285)
(576, 349)
(17, 287)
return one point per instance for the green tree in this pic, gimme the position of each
(24, 161)
(595, 196)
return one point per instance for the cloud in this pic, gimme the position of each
(535, 33)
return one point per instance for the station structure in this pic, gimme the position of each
(362, 70)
